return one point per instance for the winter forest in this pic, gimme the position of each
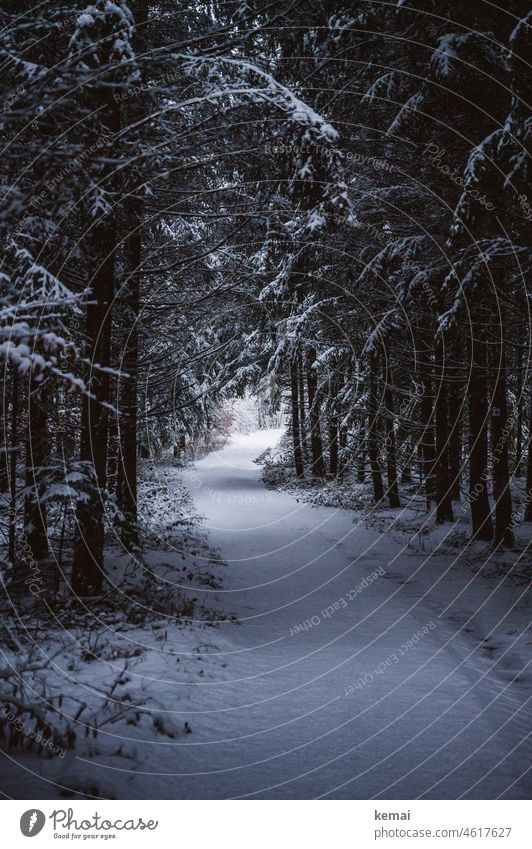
(266, 433)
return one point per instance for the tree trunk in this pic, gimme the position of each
(318, 467)
(456, 409)
(87, 575)
(133, 111)
(391, 460)
(427, 425)
(373, 430)
(127, 494)
(500, 438)
(528, 492)
(444, 508)
(35, 528)
(87, 572)
(478, 445)
(518, 463)
(113, 440)
(361, 451)
(333, 448)
(12, 536)
(406, 474)
(302, 412)
(342, 445)
(334, 388)
(4, 444)
(296, 432)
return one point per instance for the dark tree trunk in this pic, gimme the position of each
(302, 408)
(12, 536)
(528, 493)
(318, 466)
(296, 433)
(518, 463)
(135, 110)
(391, 460)
(342, 445)
(113, 446)
(406, 476)
(420, 469)
(406, 459)
(444, 508)
(127, 494)
(35, 529)
(518, 439)
(427, 425)
(87, 573)
(361, 452)
(456, 410)
(334, 386)
(478, 444)
(500, 437)
(4, 434)
(373, 437)
(333, 448)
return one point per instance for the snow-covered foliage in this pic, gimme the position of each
(219, 219)
(102, 38)
(32, 301)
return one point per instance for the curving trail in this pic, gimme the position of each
(357, 668)
(437, 716)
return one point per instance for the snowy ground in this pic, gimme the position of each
(359, 668)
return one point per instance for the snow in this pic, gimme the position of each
(85, 20)
(444, 57)
(358, 668)
(406, 112)
(520, 31)
(274, 92)
(383, 87)
(316, 220)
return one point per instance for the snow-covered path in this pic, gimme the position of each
(357, 669)
(340, 679)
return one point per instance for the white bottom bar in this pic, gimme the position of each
(261, 824)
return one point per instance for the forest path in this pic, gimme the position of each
(346, 706)
(358, 668)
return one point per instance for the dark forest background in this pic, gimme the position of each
(323, 204)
